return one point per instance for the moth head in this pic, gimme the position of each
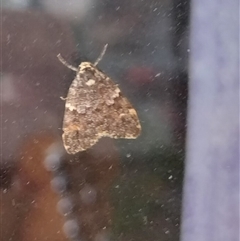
(86, 66)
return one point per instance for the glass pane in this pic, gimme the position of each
(118, 189)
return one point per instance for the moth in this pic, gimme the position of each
(95, 107)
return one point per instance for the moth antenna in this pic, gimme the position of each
(64, 62)
(101, 55)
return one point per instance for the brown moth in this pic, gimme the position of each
(95, 108)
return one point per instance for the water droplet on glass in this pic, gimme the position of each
(71, 229)
(65, 206)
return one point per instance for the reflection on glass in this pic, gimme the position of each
(118, 189)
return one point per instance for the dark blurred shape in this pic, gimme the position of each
(6, 176)
(179, 95)
(181, 12)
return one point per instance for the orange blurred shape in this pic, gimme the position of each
(42, 221)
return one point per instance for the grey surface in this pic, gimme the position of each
(211, 191)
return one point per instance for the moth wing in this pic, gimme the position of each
(95, 108)
(77, 133)
(113, 115)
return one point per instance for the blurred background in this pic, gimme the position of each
(119, 189)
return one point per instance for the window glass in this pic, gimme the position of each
(119, 189)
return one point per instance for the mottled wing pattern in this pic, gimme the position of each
(96, 108)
